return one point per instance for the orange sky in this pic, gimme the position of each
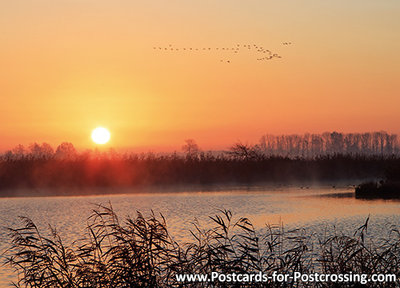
(67, 66)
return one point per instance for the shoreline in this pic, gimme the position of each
(165, 189)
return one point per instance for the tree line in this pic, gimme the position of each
(291, 146)
(330, 143)
(239, 166)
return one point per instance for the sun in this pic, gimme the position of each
(101, 135)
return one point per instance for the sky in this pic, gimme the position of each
(68, 66)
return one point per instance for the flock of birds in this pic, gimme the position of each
(267, 54)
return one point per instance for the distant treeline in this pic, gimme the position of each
(330, 143)
(40, 166)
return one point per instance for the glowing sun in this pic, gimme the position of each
(100, 135)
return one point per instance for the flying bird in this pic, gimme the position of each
(235, 49)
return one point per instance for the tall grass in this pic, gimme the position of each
(140, 252)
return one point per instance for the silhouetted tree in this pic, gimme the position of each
(191, 148)
(66, 151)
(246, 152)
(18, 152)
(43, 151)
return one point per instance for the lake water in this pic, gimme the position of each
(316, 209)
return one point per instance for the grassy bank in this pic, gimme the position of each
(378, 190)
(388, 188)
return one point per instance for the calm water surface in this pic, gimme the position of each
(317, 209)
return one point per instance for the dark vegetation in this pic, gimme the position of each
(202, 169)
(329, 157)
(139, 252)
(389, 188)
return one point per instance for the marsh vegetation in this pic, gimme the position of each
(329, 157)
(140, 252)
(387, 188)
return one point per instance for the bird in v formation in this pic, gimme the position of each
(236, 49)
